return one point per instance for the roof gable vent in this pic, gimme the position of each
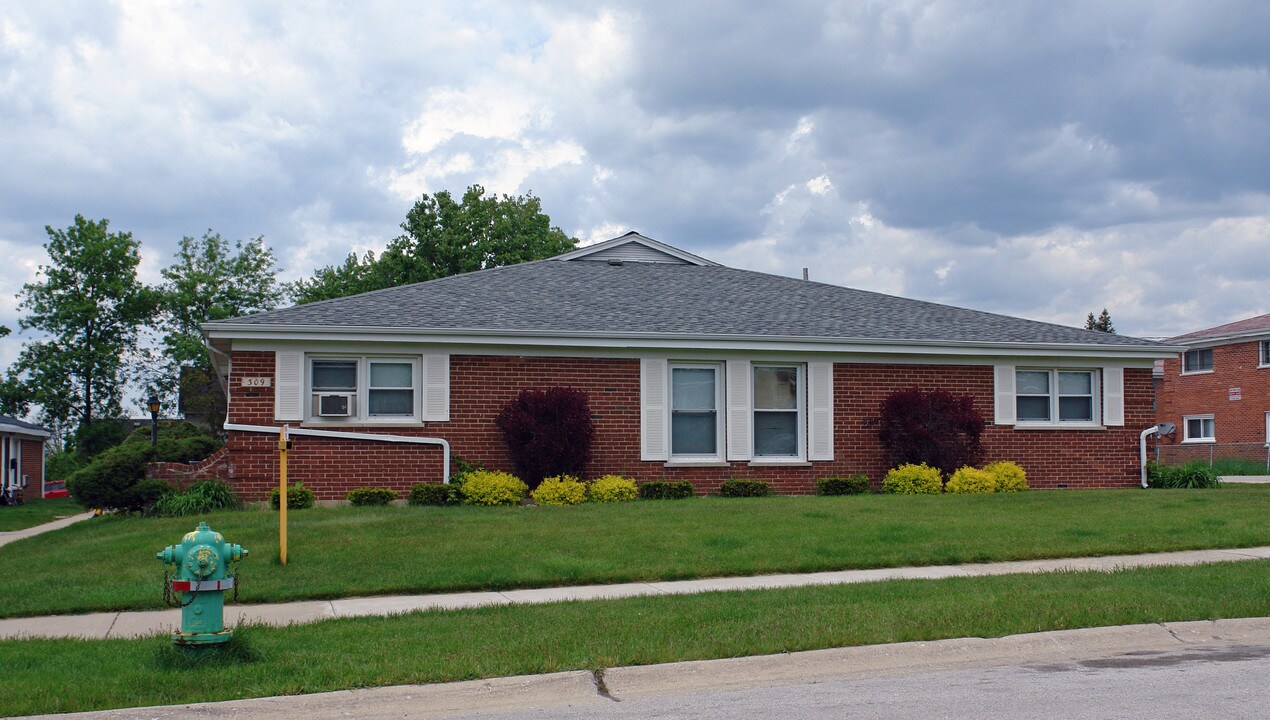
(633, 247)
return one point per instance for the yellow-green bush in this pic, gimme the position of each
(972, 480)
(490, 487)
(913, 479)
(1010, 477)
(559, 490)
(611, 488)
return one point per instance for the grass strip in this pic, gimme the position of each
(342, 552)
(36, 512)
(440, 646)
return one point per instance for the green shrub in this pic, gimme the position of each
(741, 487)
(559, 490)
(611, 488)
(460, 468)
(491, 487)
(1010, 477)
(201, 498)
(366, 496)
(851, 485)
(665, 490)
(1194, 474)
(969, 480)
(298, 497)
(142, 496)
(433, 494)
(912, 479)
(111, 480)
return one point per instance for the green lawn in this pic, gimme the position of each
(439, 646)
(36, 512)
(340, 552)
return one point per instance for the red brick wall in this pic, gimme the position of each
(1235, 421)
(33, 467)
(481, 385)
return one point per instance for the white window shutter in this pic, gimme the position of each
(820, 411)
(1113, 396)
(288, 385)
(1003, 376)
(738, 394)
(436, 387)
(654, 413)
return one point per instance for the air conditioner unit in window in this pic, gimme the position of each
(335, 405)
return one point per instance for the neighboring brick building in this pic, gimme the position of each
(22, 457)
(1217, 392)
(693, 371)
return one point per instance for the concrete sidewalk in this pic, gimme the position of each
(15, 535)
(136, 624)
(582, 692)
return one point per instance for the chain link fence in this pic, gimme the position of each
(1250, 455)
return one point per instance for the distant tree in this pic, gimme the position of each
(442, 237)
(209, 279)
(333, 281)
(91, 306)
(1102, 323)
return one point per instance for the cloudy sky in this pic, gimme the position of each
(1041, 159)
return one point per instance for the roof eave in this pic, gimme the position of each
(1224, 338)
(26, 431)
(231, 331)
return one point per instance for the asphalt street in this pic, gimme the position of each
(1211, 682)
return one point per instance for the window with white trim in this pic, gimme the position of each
(1197, 361)
(696, 425)
(1054, 396)
(1263, 353)
(778, 408)
(1199, 428)
(363, 389)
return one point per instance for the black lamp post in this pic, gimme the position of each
(153, 405)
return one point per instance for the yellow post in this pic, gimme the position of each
(282, 495)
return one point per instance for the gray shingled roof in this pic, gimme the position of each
(551, 296)
(14, 422)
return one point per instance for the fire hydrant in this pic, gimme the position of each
(202, 577)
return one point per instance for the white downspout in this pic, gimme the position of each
(1163, 429)
(373, 437)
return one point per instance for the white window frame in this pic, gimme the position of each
(719, 413)
(800, 407)
(1186, 428)
(1211, 360)
(362, 392)
(1096, 399)
(1263, 356)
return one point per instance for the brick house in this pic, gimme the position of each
(1217, 392)
(22, 456)
(694, 371)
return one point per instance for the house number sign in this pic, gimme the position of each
(257, 382)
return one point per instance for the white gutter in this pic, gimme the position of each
(374, 437)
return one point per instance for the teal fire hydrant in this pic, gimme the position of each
(202, 577)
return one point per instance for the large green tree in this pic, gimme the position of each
(442, 237)
(210, 278)
(89, 306)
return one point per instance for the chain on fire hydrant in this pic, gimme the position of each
(202, 577)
